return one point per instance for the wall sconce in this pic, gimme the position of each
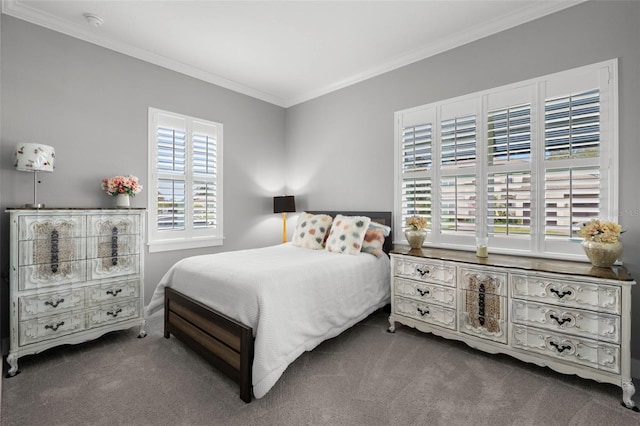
(35, 157)
(284, 204)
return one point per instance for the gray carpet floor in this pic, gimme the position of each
(365, 376)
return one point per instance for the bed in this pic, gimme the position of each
(252, 312)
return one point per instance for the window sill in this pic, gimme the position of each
(183, 244)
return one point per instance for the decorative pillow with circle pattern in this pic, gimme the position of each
(347, 234)
(311, 230)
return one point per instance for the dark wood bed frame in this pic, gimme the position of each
(223, 341)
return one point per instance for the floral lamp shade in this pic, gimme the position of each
(35, 157)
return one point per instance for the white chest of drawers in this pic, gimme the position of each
(568, 316)
(75, 274)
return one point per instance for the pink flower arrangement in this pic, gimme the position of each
(121, 185)
(600, 231)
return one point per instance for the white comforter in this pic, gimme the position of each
(293, 298)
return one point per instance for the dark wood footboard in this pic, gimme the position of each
(223, 341)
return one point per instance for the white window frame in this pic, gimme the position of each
(534, 90)
(190, 237)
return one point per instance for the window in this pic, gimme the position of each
(185, 175)
(524, 164)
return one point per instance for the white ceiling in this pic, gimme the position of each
(283, 52)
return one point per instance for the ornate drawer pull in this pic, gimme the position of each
(114, 314)
(423, 312)
(559, 294)
(54, 327)
(54, 304)
(422, 292)
(423, 272)
(559, 320)
(114, 293)
(559, 348)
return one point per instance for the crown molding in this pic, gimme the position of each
(536, 10)
(22, 11)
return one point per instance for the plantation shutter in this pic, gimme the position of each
(572, 148)
(458, 159)
(204, 188)
(417, 160)
(171, 162)
(509, 158)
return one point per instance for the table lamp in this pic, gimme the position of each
(35, 157)
(284, 204)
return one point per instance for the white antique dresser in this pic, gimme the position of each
(568, 316)
(75, 274)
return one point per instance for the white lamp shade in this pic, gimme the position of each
(35, 157)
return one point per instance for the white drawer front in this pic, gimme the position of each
(113, 292)
(587, 324)
(431, 293)
(484, 315)
(33, 252)
(429, 313)
(107, 225)
(113, 246)
(111, 313)
(53, 274)
(39, 329)
(113, 267)
(43, 227)
(424, 270)
(50, 303)
(483, 280)
(598, 355)
(561, 292)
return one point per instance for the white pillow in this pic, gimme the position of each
(347, 234)
(311, 230)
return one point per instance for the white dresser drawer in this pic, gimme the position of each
(425, 270)
(112, 246)
(486, 280)
(577, 322)
(50, 303)
(49, 327)
(107, 225)
(112, 292)
(51, 274)
(591, 353)
(33, 252)
(425, 292)
(108, 267)
(113, 312)
(38, 227)
(483, 315)
(425, 312)
(564, 292)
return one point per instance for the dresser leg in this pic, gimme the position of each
(392, 326)
(12, 360)
(628, 389)
(142, 332)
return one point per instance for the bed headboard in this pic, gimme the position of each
(380, 217)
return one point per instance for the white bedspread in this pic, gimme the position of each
(293, 298)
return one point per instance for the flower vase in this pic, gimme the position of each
(122, 201)
(415, 237)
(602, 255)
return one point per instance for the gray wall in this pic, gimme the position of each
(350, 132)
(91, 104)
